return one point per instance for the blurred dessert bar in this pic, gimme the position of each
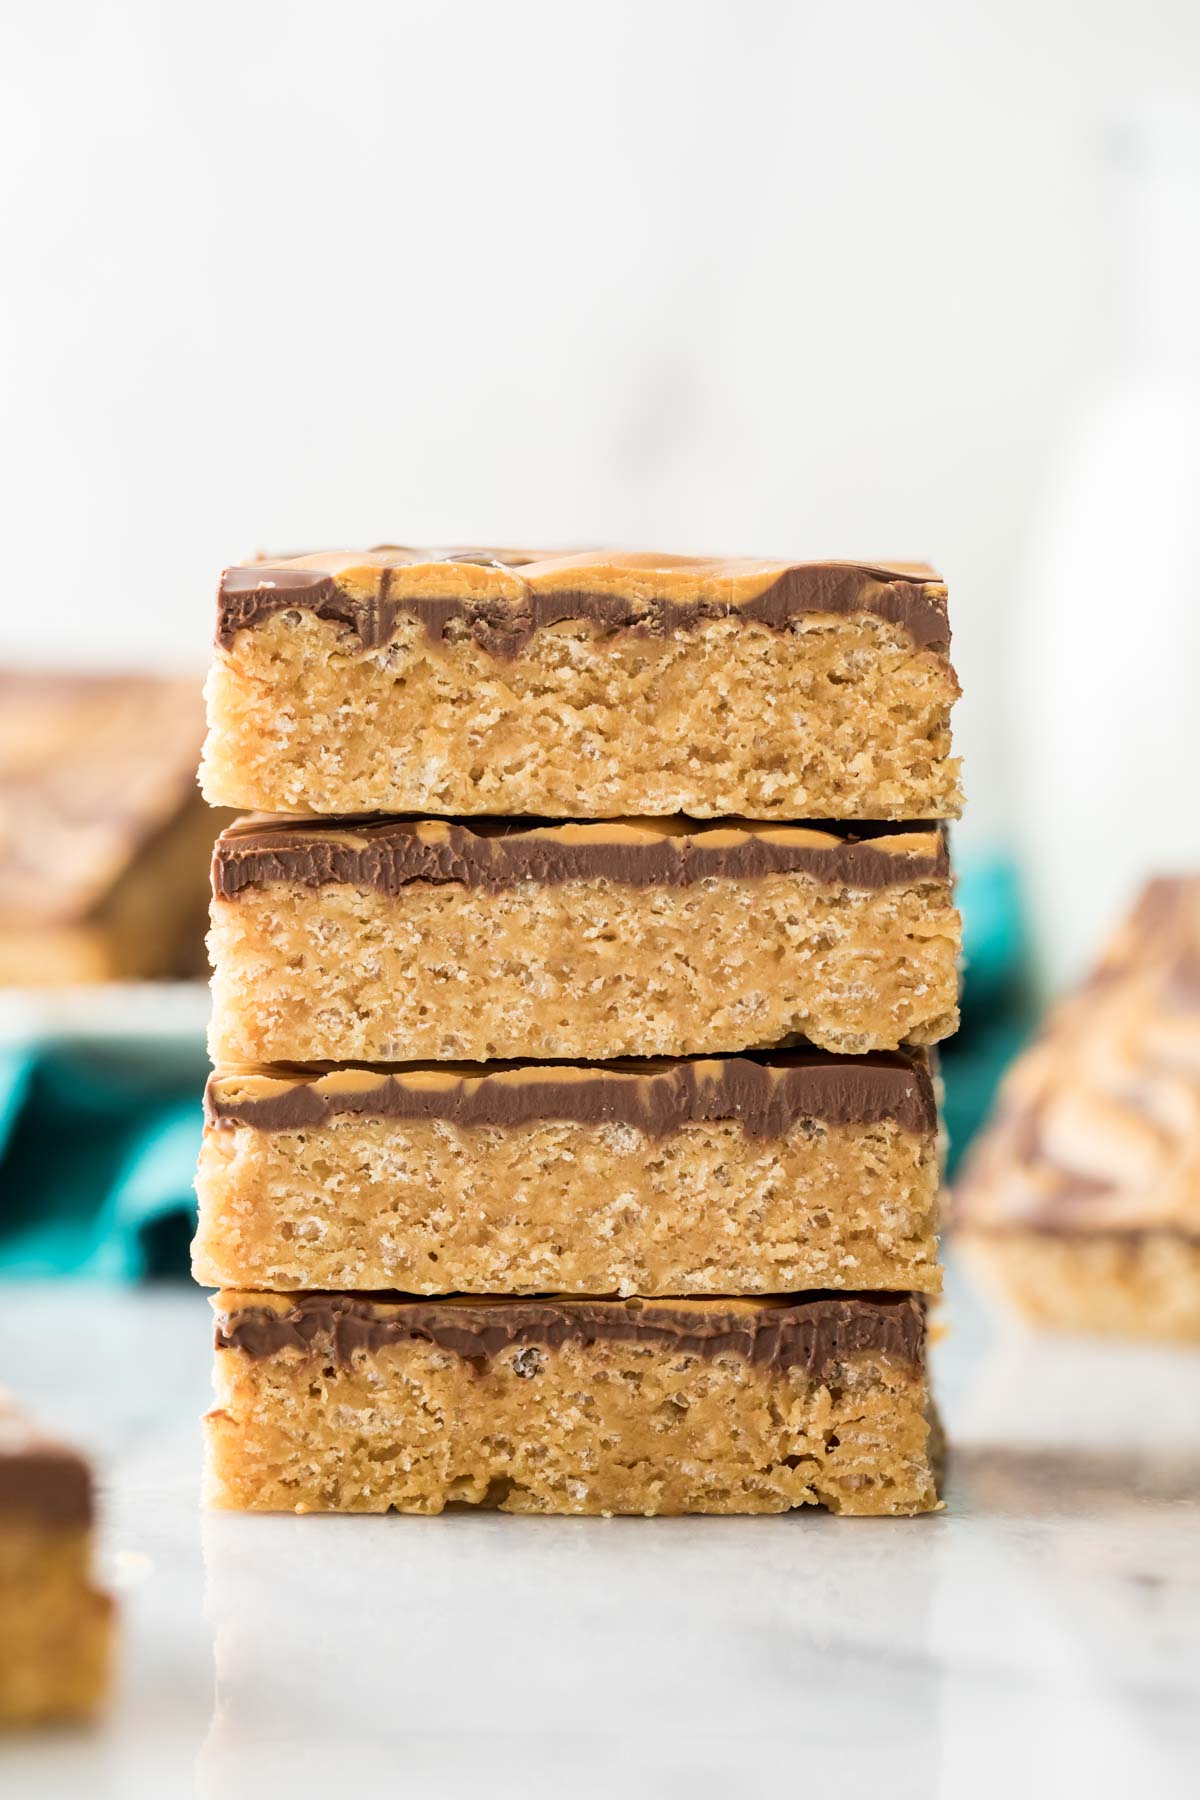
(56, 1629)
(794, 1170)
(589, 686)
(1081, 1204)
(104, 839)
(356, 1403)
(398, 941)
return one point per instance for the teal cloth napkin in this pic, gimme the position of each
(97, 1157)
(998, 1011)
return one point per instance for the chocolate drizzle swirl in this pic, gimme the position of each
(814, 1332)
(502, 623)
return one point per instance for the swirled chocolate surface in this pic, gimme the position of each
(1097, 1125)
(499, 598)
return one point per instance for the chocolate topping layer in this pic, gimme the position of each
(385, 855)
(481, 594)
(816, 1332)
(43, 1480)
(767, 1094)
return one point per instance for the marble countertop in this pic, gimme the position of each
(1040, 1636)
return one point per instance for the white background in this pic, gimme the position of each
(747, 276)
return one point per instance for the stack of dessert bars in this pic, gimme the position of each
(573, 1144)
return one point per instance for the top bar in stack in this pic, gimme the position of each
(590, 686)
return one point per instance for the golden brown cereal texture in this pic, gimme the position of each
(833, 717)
(604, 1427)
(428, 1207)
(579, 969)
(1135, 1285)
(56, 1630)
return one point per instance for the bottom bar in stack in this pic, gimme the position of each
(361, 1403)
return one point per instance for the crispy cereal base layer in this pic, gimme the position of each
(590, 969)
(587, 1428)
(836, 718)
(430, 1207)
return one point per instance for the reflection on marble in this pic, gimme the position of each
(1042, 1635)
(528, 1629)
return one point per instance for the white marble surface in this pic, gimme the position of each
(1041, 1636)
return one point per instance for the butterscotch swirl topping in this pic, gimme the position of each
(501, 597)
